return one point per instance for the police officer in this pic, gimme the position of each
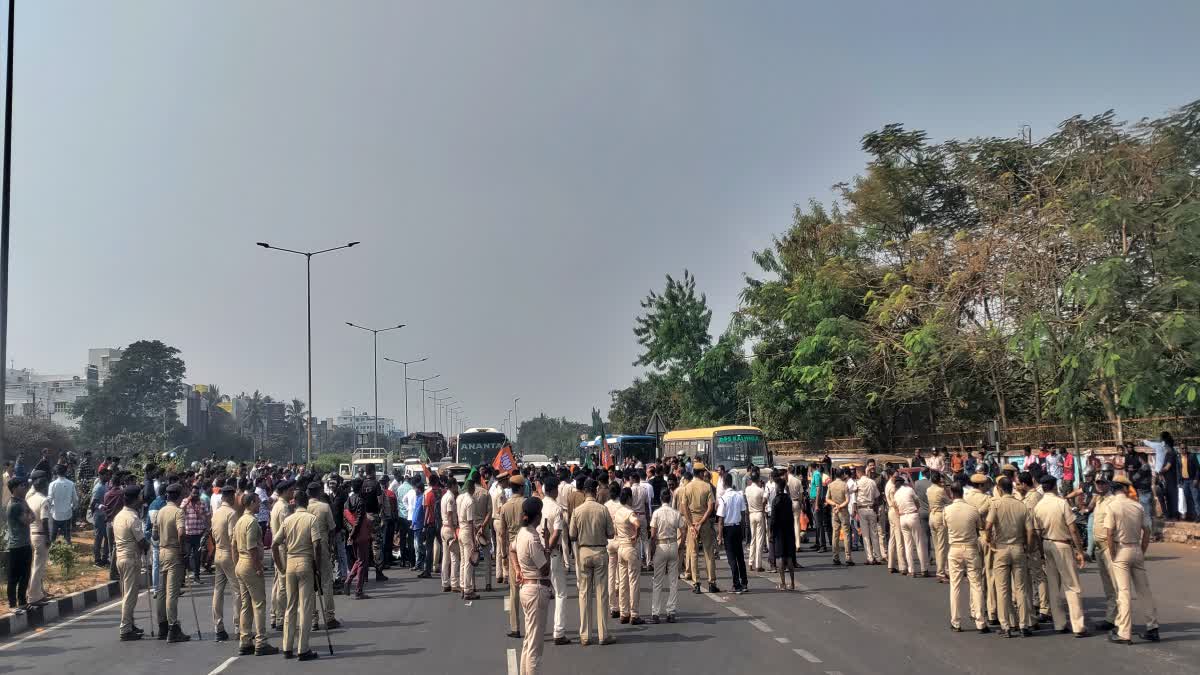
(39, 534)
(510, 526)
(666, 526)
(1010, 535)
(464, 507)
(325, 527)
(299, 543)
(977, 496)
(1128, 538)
(224, 561)
(1034, 562)
(1061, 547)
(938, 499)
(591, 527)
(483, 528)
(171, 556)
(131, 546)
(279, 511)
(252, 591)
(963, 524)
(701, 531)
(1100, 529)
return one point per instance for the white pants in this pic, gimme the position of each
(666, 570)
(450, 564)
(868, 525)
(558, 580)
(916, 547)
(758, 540)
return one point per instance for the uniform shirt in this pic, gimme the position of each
(755, 498)
(62, 499)
(41, 512)
(866, 493)
(1009, 519)
(837, 492)
(1053, 518)
(223, 522)
(938, 499)
(299, 534)
(531, 553)
(667, 524)
(325, 521)
(612, 506)
(496, 492)
(795, 487)
(962, 523)
(247, 535)
(279, 511)
(980, 500)
(1125, 517)
(510, 517)
(565, 490)
(906, 501)
(1100, 521)
(730, 507)
(464, 508)
(483, 507)
(128, 533)
(169, 525)
(448, 510)
(577, 498)
(553, 516)
(699, 495)
(590, 524)
(889, 494)
(625, 521)
(1031, 499)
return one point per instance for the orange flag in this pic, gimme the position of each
(504, 459)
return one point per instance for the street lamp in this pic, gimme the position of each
(437, 401)
(423, 395)
(440, 409)
(308, 256)
(516, 423)
(422, 380)
(407, 429)
(375, 333)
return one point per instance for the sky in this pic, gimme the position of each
(520, 173)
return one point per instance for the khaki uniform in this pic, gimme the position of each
(629, 565)
(1054, 521)
(1035, 564)
(279, 511)
(223, 522)
(667, 526)
(128, 534)
(510, 520)
(868, 522)
(590, 529)
(1101, 521)
(325, 525)
(553, 520)
(496, 497)
(1009, 520)
(465, 506)
(938, 499)
(485, 536)
(983, 503)
(535, 596)
(1126, 523)
(756, 505)
(963, 524)
(171, 566)
(895, 544)
(449, 538)
(837, 493)
(699, 497)
(679, 502)
(252, 589)
(795, 488)
(300, 538)
(613, 550)
(39, 539)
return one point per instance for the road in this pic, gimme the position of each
(844, 620)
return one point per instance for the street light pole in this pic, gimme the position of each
(516, 422)
(423, 395)
(308, 256)
(375, 364)
(5, 203)
(437, 401)
(407, 429)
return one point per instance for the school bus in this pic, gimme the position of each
(734, 447)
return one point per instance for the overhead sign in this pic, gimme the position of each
(656, 425)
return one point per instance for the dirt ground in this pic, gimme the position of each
(86, 575)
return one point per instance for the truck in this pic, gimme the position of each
(381, 458)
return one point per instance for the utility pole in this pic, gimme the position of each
(5, 204)
(375, 364)
(406, 364)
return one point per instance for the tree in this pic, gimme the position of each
(633, 406)
(673, 330)
(297, 419)
(31, 435)
(551, 436)
(254, 419)
(140, 395)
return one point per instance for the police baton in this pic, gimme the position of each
(321, 602)
(195, 615)
(149, 599)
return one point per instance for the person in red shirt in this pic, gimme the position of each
(361, 535)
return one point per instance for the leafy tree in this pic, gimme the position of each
(144, 387)
(673, 330)
(633, 406)
(297, 418)
(31, 434)
(551, 436)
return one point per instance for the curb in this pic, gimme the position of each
(60, 607)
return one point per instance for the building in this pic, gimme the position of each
(101, 361)
(275, 419)
(192, 410)
(49, 397)
(364, 424)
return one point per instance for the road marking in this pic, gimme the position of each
(757, 623)
(512, 661)
(223, 666)
(823, 600)
(1195, 607)
(507, 603)
(736, 610)
(782, 640)
(48, 629)
(806, 655)
(833, 672)
(714, 597)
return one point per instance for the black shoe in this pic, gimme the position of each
(985, 630)
(1045, 618)
(955, 629)
(288, 655)
(712, 588)
(163, 629)
(614, 614)
(222, 635)
(696, 589)
(563, 640)
(139, 631)
(1084, 633)
(670, 618)
(246, 650)
(1113, 637)
(637, 621)
(514, 634)
(1065, 629)
(1026, 632)
(309, 655)
(849, 563)
(177, 635)
(624, 619)
(892, 570)
(1104, 625)
(378, 577)
(1150, 635)
(837, 562)
(993, 622)
(333, 624)
(654, 619)
(130, 636)
(266, 650)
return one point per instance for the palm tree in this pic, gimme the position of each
(254, 414)
(296, 418)
(213, 396)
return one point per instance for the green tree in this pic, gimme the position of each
(297, 419)
(551, 436)
(31, 434)
(673, 328)
(140, 395)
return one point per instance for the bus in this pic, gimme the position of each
(479, 445)
(639, 447)
(734, 447)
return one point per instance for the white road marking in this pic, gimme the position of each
(736, 610)
(806, 655)
(714, 597)
(833, 672)
(512, 662)
(223, 666)
(40, 632)
(823, 600)
(507, 603)
(1195, 607)
(782, 640)
(757, 623)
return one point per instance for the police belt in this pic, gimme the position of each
(593, 546)
(1057, 541)
(667, 540)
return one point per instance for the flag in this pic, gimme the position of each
(606, 458)
(504, 459)
(424, 456)
(471, 475)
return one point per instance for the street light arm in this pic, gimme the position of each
(280, 248)
(335, 248)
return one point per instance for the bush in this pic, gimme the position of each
(328, 463)
(63, 555)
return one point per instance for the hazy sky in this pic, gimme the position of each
(520, 173)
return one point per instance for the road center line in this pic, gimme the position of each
(507, 604)
(223, 666)
(757, 623)
(512, 661)
(782, 640)
(736, 610)
(806, 655)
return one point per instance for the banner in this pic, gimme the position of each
(504, 459)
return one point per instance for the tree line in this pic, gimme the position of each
(952, 283)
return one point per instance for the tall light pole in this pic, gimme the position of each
(422, 380)
(444, 406)
(423, 395)
(308, 256)
(375, 364)
(436, 402)
(407, 429)
(5, 202)
(508, 423)
(516, 422)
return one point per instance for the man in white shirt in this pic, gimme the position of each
(551, 531)
(916, 547)
(62, 501)
(731, 510)
(755, 503)
(465, 536)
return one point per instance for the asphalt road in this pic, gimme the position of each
(857, 620)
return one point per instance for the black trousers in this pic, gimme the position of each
(735, 553)
(20, 568)
(1172, 498)
(406, 545)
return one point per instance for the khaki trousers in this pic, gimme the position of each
(1104, 565)
(450, 564)
(252, 593)
(501, 554)
(614, 562)
(1037, 581)
(666, 570)
(685, 563)
(705, 539)
(1129, 572)
(758, 540)
(916, 549)
(941, 541)
(279, 593)
(591, 566)
(1008, 568)
(535, 599)
(628, 574)
(487, 560)
(868, 524)
(129, 569)
(989, 579)
(326, 589)
(558, 582)
(224, 576)
(37, 577)
(171, 570)
(514, 602)
(841, 534)
(300, 603)
(895, 546)
(964, 561)
(1062, 578)
(466, 546)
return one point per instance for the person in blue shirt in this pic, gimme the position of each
(19, 470)
(418, 523)
(99, 520)
(160, 500)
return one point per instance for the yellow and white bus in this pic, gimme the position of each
(734, 447)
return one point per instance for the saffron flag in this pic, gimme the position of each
(425, 470)
(606, 457)
(504, 459)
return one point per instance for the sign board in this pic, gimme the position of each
(656, 425)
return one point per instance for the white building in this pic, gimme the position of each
(101, 362)
(31, 394)
(363, 423)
